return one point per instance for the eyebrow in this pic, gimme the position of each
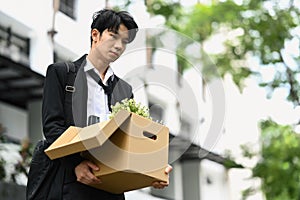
(117, 32)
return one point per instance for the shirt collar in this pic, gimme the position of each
(90, 66)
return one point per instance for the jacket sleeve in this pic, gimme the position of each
(53, 117)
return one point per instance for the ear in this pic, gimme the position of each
(95, 33)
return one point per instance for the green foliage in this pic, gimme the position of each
(258, 29)
(230, 163)
(279, 167)
(131, 106)
(248, 192)
(263, 33)
(263, 26)
(172, 11)
(279, 164)
(207, 19)
(121, 6)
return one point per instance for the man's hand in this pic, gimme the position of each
(84, 173)
(161, 185)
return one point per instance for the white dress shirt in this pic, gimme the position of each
(97, 101)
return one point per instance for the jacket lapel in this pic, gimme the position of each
(79, 106)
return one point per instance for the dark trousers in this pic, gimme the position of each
(78, 191)
(74, 190)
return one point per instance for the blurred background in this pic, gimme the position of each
(237, 137)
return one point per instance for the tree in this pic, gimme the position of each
(260, 29)
(279, 164)
(254, 28)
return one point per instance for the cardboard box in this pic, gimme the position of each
(131, 151)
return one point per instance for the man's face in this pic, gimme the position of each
(109, 46)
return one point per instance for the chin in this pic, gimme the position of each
(113, 59)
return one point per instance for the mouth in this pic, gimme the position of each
(114, 53)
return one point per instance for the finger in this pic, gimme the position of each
(89, 180)
(83, 180)
(159, 185)
(84, 174)
(92, 178)
(96, 180)
(168, 169)
(156, 184)
(164, 184)
(93, 166)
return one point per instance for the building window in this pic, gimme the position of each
(14, 46)
(68, 7)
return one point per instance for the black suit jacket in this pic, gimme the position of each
(58, 114)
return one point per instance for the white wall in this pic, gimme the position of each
(213, 181)
(35, 121)
(14, 120)
(33, 18)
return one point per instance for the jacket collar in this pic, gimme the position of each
(81, 61)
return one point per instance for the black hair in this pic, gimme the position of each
(111, 20)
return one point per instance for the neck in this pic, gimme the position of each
(99, 65)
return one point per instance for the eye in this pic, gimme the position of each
(113, 35)
(125, 41)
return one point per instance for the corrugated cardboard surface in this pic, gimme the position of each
(75, 139)
(131, 151)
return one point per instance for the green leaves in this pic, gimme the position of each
(279, 164)
(131, 106)
(264, 27)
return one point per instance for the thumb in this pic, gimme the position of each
(168, 169)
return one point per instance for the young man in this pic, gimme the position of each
(111, 31)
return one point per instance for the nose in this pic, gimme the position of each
(119, 45)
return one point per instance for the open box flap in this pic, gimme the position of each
(75, 139)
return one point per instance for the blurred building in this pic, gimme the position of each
(33, 35)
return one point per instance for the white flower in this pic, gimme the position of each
(10, 153)
(131, 106)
